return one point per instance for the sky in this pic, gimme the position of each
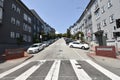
(59, 14)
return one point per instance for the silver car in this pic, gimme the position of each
(79, 45)
(35, 48)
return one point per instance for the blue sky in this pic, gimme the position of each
(59, 14)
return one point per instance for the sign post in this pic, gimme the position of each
(41, 38)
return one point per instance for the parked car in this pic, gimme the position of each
(68, 40)
(79, 45)
(35, 48)
(45, 44)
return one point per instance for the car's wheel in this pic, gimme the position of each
(71, 46)
(82, 47)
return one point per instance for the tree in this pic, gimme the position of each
(20, 40)
(79, 35)
(68, 33)
(36, 39)
(64, 35)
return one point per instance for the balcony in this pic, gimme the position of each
(96, 8)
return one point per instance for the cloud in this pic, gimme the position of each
(57, 32)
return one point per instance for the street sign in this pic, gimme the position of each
(40, 36)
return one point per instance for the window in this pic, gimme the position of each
(29, 29)
(25, 27)
(106, 36)
(111, 18)
(97, 13)
(1, 14)
(17, 22)
(103, 9)
(25, 37)
(29, 19)
(104, 22)
(96, 6)
(25, 17)
(12, 34)
(17, 35)
(38, 29)
(34, 27)
(109, 3)
(12, 20)
(2, 0)
(29, 38)
(98, 26)
(14, 7)
(18, 10)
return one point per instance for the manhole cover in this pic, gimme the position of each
(60, 50)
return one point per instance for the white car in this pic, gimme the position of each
(79, 45)
(35, 48)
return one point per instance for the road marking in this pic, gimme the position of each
(80, 73)
(13, 69)
(78, 54)
(104, 71)
(54, 71)
(30, 71)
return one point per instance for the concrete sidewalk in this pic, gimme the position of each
(11, 63)
(111, 62)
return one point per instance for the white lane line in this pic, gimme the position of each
(13, 69)
(104, 71)
(80, 73)
(30, 71)
(78, 54)
(53, 74)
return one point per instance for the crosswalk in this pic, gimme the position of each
(58, 70)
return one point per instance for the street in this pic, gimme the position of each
(59, 50)
(59, 62)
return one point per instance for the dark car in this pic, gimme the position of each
(68, 40)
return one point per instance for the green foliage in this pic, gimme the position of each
(79, 35)
(64, 35)
(20, 40)
(68, 33)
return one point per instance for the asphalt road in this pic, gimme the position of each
(59, 62)
(59, 50)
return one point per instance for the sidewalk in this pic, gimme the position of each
(11, 63)
(111, 62)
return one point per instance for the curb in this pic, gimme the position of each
(28, 58)
(89, 55)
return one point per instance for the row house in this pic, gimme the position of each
(84, 24)
(100, 16)
(104, 16)
(18, 24)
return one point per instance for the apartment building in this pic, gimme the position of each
(84, 24)
(100, 16)
(38, 25)
(104, 15)
(18, 24)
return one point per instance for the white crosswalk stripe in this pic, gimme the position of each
(81, 74)
(13, 69)
(104, 71)
(54, 71)
(26, 74)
